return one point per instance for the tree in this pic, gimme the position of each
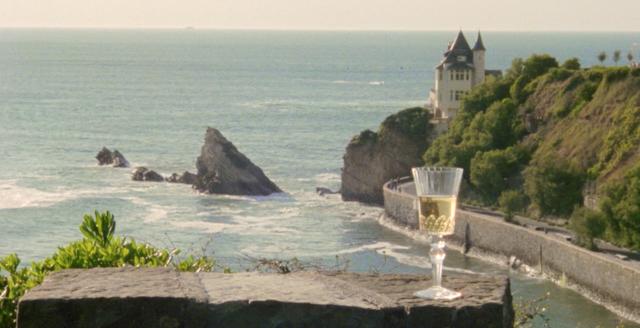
(616, 56)
(587, 224)
(602, 57)
(554, 185)
(621, 206)
(572, 64)
(630, 56)
(490, 171)
(511, 201)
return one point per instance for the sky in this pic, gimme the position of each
(509, 15)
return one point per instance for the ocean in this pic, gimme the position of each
(290, 101)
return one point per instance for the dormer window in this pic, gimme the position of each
(462, 58)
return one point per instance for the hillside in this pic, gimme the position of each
(544, 136)
(537, 142)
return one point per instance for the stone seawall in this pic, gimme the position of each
(604, 279)
(160, 297)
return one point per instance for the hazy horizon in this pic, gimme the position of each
(327, 15)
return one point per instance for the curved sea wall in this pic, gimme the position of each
(607, 280)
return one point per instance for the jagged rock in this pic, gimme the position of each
(325, 191)
(144, 174)
(222, 169)
(371, 158)
(186, 178)
(115, 158)
(119, 160)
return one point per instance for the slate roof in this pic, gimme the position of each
(479, 44)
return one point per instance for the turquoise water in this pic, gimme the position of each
(289, 100)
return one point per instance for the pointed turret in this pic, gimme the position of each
(479, 45)
(460, 43)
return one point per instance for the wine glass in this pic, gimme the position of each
(437, 191)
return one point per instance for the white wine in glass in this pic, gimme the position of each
(437, 191)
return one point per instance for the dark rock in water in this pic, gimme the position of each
(119, 160)
(372, 159)
(108, 157)
(222, 169)
(186, 178)
(325, 191)
(144, 174)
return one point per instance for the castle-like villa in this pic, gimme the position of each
(461, 69)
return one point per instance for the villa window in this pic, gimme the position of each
(451, 75)
(451, 95)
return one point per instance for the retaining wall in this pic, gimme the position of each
(606, 279)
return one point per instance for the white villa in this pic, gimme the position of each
(461, 69)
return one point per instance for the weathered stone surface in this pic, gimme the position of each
(114, 158)
(186, 177)
(144, 174)
(222, 169)
(371, 159)
(128, 297)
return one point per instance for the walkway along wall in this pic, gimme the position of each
(614, 283)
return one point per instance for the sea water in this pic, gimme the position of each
(290, 101)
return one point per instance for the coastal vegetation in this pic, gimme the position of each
(542, 137)
(99, 247)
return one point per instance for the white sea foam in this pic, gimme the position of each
(12, 195)
(327, 177)
(376, 83)
(202, 226)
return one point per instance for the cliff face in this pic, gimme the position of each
(373, 158)
(222, 169)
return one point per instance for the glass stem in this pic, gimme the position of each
(437, 255)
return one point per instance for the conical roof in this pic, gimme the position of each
(460, 43)
(479, 45)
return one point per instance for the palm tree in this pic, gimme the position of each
(602, 57)
(616, 56)
(630, 56)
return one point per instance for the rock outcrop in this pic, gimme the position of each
(144, 174)
(222, 169)
(371, 158)
(325, 191)
(186, 177)
(114, 158)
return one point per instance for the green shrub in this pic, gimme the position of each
(99, 248)
(490, 171)
(587, 224)
(621, 206)
(572, 64)
(554, 185)
(511, 202)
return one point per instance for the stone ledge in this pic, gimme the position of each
(129, 297)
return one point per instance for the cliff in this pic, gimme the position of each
(373, 158)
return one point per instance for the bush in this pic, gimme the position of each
(490, 171)
(554, 185)
(621, 206)
(99, 248)
(511, 201)
(587, 224)
(572, 64)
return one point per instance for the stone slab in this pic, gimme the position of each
(129, 297)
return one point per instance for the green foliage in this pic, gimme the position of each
(620, 142)
(616, 56)
(491, 170)
(572, 64)
(587, 224)
(98, 229)
(511, 201)
(99, 248)
(532, 68)
(410, 121)
(602, 57)
(559, 74)
(620, 205)
(554, 185)
(364, 137)
(531, 312)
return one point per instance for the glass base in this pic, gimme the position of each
(437, 293)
